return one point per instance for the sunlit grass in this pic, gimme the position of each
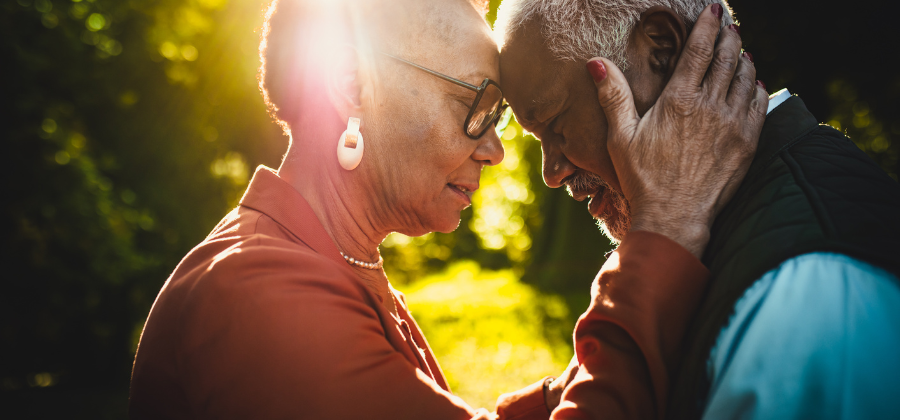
(487, 330)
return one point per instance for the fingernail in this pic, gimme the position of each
(597, 70)
(735, 28)
(717, 10)
(748, 56)
(762, 85)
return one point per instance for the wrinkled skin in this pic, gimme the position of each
(583, 129)
(673, 136)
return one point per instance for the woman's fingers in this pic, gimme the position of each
(698, 51)
(754, 114)
(615, 98)
(724, 63)
(743, 85)
(757, 113)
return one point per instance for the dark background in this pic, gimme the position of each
(131, 127)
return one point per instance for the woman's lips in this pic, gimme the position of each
(463, 193)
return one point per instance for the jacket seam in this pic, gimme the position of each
(812, 196)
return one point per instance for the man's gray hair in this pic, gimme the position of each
(581, 29)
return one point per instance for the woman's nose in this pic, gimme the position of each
(489, 150)
(556, 166)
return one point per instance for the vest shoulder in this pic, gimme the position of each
(827, 153)
(819, 193)
(847, 192)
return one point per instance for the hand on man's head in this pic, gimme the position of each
(684, 160)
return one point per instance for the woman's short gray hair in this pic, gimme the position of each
(581, 29)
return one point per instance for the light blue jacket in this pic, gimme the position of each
(816, 338)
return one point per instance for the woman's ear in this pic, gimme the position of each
(343, 79)
(660, 37)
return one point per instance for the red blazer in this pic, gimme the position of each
(264, 319)
(629, 340)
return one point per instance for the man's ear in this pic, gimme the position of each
(661, 34)
(344, 84)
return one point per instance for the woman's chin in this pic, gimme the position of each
(443, 223)
(443, 220)
(448, 224)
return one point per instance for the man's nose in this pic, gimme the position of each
(556, 166)
(490, 149)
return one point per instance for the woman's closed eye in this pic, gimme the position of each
(465, 104)
(463, 99)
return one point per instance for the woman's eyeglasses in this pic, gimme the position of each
(486, 111)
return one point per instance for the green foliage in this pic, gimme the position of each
(833, 57)
(859, 121)
(121, 160)
(491, 333)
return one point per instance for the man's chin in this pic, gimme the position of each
(614, 217)
(613, 229)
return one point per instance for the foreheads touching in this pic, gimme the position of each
(545, 45)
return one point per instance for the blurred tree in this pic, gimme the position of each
(833, 55)
(129, 127)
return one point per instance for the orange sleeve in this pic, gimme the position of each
(629, 338)
(525, 404)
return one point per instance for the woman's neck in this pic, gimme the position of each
(343, 213)
(347, 215)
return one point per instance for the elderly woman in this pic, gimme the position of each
(284, 311)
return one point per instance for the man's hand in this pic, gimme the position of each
(682, 162)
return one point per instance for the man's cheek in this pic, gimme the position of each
(592, 153)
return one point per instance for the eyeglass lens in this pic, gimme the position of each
(485, 110)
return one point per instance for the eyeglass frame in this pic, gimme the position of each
(479, 91)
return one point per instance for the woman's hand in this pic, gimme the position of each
(554, 391)
(684, 160)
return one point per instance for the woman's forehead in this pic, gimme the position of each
(450, 37)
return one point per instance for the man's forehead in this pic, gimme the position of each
(530, 76)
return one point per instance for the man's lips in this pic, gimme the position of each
(595, 205)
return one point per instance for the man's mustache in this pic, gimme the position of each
(583, 183)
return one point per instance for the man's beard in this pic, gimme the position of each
(615, 224)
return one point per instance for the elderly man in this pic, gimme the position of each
(801, 314)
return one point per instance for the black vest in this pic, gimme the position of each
(808, 189)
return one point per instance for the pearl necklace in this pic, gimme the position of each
(362, 264)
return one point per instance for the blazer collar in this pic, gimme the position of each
(272, 196)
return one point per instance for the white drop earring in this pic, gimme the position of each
(350, 146)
